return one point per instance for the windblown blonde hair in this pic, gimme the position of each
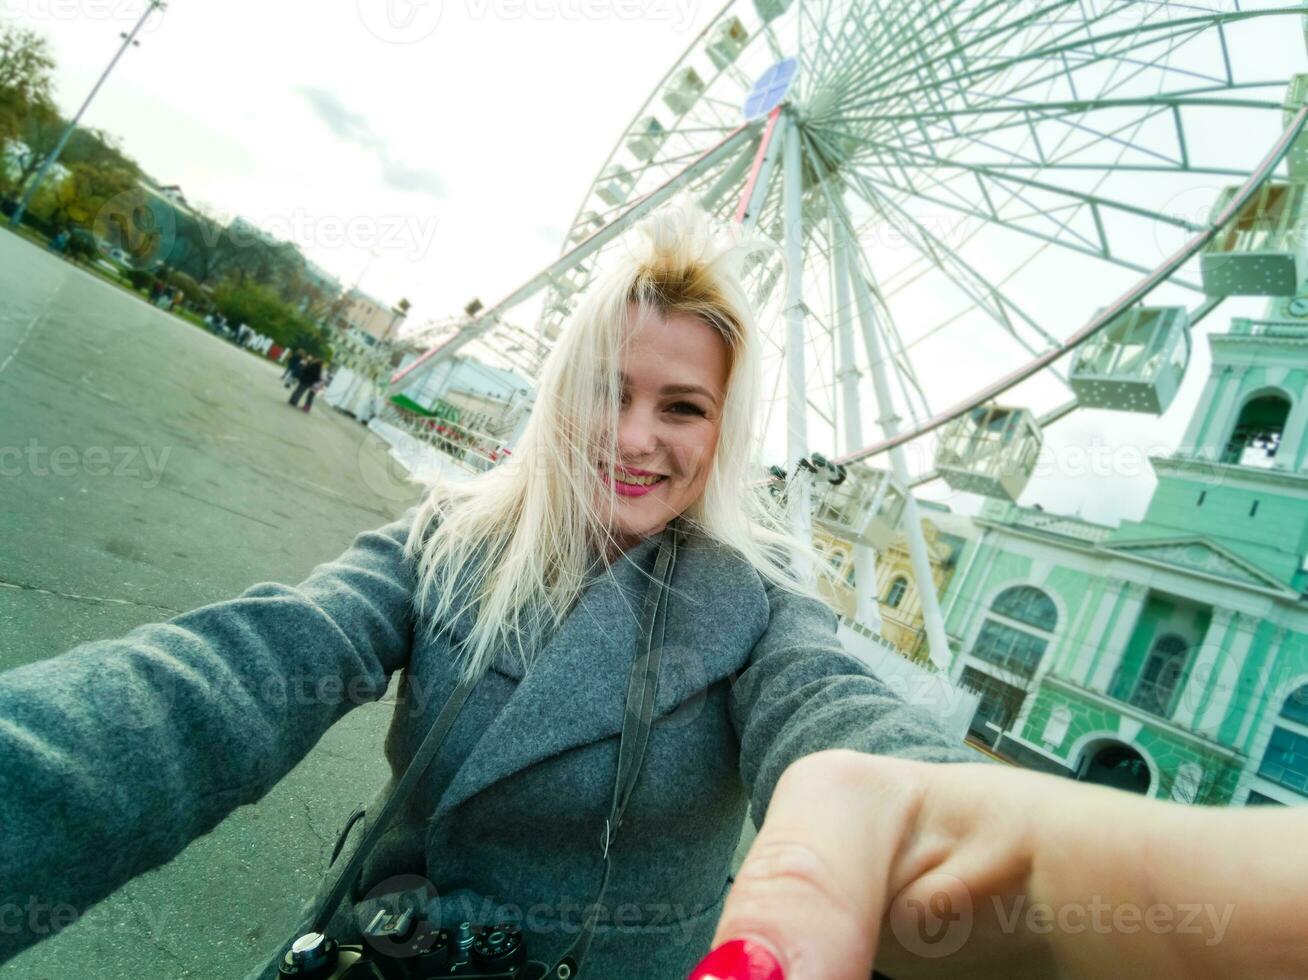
(510, 550)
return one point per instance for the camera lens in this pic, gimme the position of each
(311, 955)
(497, 946)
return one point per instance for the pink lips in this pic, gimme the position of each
(631, 489)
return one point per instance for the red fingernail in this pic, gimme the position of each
(739, 959)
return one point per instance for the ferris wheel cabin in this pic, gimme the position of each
(868, 506)
(726, 41)
(1260, 251)
(770, 10)
(645, 139)
(587, 225)
(1136, 363)
(990, 450)
(683, 91)
(615, 185)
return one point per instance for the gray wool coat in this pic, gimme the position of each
(119, 753)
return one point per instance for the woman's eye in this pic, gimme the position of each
(686, 408)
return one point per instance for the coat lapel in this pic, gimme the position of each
(573, 693)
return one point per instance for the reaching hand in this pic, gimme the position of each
(979, 871)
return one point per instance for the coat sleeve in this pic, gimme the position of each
(117, 754)
(801, 693)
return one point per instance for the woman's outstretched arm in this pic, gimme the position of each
(991, 873)
(803, 693)
(117, 754)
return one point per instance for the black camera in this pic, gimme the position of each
(403, 946)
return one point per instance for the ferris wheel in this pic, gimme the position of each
(993, 213)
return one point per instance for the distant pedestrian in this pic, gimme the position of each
(309, 376)
(290, 375)
(60, 241)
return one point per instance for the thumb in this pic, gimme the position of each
(808, 900)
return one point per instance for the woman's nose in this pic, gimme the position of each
(637, 433)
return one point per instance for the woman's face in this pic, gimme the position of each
(674, 379)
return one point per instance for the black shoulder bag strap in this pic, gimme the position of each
(637, 719)
(638, 716)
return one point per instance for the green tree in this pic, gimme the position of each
(82, 194)
(39, 134)
(26, 64)
(260, 306)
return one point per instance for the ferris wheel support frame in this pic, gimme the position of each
(866, 608)
(888, 419)
(796, 387)
(1101, 320)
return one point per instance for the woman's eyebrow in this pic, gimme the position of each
(688, 390)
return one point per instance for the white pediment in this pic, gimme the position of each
(1199, 555)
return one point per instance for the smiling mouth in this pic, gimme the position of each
(630, 484)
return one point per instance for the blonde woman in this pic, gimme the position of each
(529, 581)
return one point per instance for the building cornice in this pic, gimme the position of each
(1131, 711)
(1197, 467)
(1109, 552)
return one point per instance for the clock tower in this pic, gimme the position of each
(1254, 407)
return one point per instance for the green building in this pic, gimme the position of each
(1168, 655)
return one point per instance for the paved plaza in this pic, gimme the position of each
(147, 468)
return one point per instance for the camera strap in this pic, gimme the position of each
(638, 713)
(637, 719)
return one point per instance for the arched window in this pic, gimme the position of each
(1257, 432)
(1018, 630)
(1028, 605)
(1156, 689)
(895, 595)
(1286, 760)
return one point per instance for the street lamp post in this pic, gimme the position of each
(398, 313)
(128, 40)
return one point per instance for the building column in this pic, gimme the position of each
(1293, 438)
(1114, 646)
(1205, 669)
(1194, 432)
(1258, 692)
(1225, 691)
(1221, 417)
(974, 612)
(1065, 649)
(1108, 600)
(866, 608)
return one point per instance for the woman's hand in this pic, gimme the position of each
(981, 871)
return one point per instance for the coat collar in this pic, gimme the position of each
(716, 612)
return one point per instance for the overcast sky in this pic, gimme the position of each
(456, 137)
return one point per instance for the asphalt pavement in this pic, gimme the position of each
(147, 468)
